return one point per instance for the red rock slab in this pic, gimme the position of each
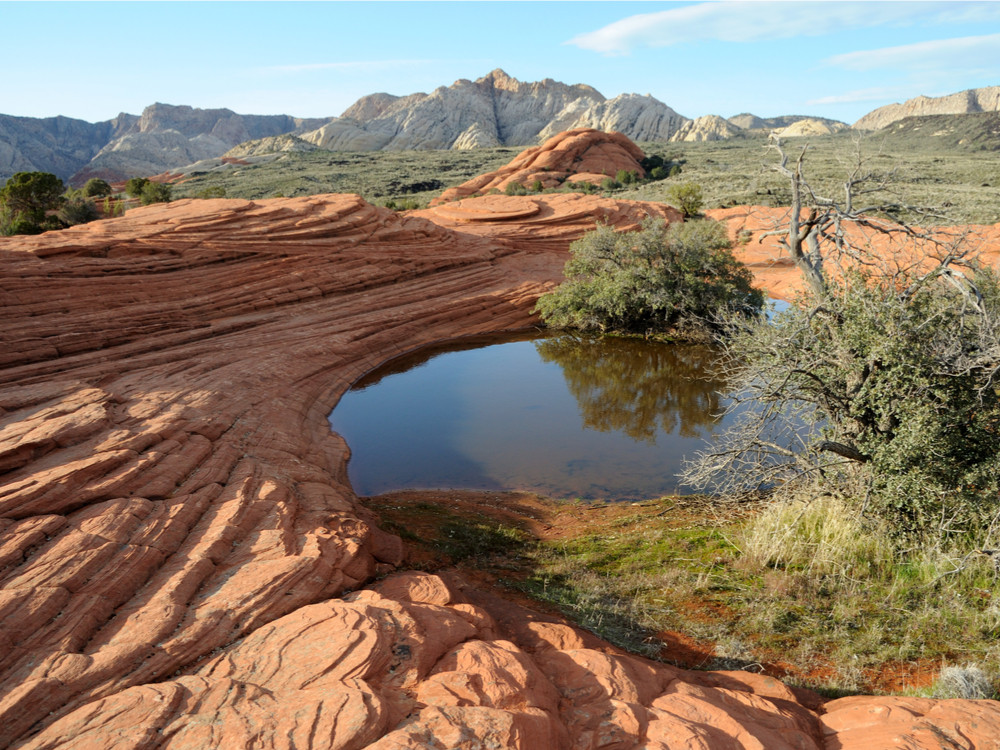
(543, 224)
(775, 271)
(581, 155)
(183, 563)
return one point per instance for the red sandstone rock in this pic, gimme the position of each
(183, 563)
(774, 271)
(581, 155)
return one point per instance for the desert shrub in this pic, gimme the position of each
(625, 177)
(657, 280)
(135, 185)
(154, 192)
(515, 188)
(610, 184)
(674, 170)
(893, 390)
(651, 162)
(968, 682)
(688, 197)
(96, 188)
(215, 191)
(78, 211)
(537, 186)
(25, 200)
(658, 173)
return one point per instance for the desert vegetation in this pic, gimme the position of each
(658, 280)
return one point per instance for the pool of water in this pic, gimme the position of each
(564, 416)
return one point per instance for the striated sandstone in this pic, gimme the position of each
(582, 155)
(183, 563)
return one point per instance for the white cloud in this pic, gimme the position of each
(741, 21)
(972, 52)
(877, 94)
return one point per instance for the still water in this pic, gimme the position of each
(564, 416)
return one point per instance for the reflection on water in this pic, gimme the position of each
(635, 387)
(562, 416)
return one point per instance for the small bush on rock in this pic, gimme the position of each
(657, 280)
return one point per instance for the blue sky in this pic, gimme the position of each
(92, 60)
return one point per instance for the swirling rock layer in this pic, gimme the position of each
(183, 563)
(581, 155)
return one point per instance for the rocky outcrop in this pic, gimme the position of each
(60, 145)
(640, 118)
(495, 110)
(183, 562)
(164, 137)
(167, 137)
(965, 102)
(748, 121)
(756, 245)
(809, 127)
(275, 144)
(707, 128)
(581, 155)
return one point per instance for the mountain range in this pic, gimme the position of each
(495, 110)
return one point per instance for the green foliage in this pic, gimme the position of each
(609, 184)
(899, 380)
(659, 173)
(688, 197)
(78, 211)
(587, 188)
(214, 191)
(96, 188)
(515, 188)
(154, 192)
(656, 280)
(134, 186)
(24, 201)
(537, 186)
(626, 177)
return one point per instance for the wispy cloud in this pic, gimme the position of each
(877, 94)
(966, 53)
(739, 21)
(352, 66)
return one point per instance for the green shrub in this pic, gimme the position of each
(658, 173)
(78, 211)
(656, 280)
(96, 188)
(609, 184)
(26, 197)
(134, 186)
(154, 192)
(537, 186)
(215, 191)
(626, 177)
(686, 196)
(515, 188)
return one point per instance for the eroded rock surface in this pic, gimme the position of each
(581, 155)
(183, 563)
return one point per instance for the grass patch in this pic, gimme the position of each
(798, 590)
(946, 172)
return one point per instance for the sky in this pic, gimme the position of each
(93, 60)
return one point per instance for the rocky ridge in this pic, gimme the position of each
(162, 138)
(183, 562)
(964, 102)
